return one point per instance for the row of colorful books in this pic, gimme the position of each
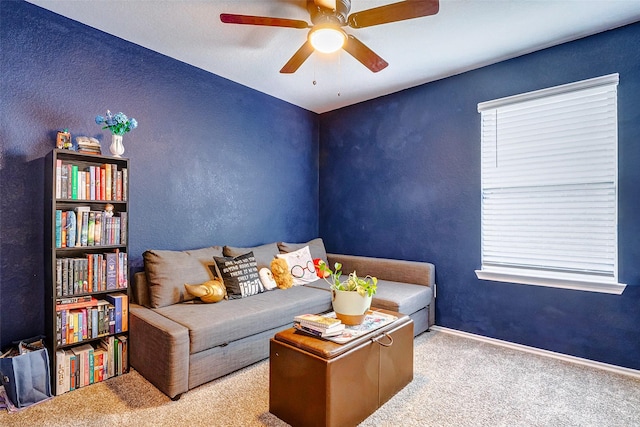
(104, 182)
(318, 325)
(91, 363)
(91, 319)
(84, 227)
(92, 273)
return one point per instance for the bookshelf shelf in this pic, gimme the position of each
(86, 272)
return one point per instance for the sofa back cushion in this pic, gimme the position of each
(168, 271)
(264, 254)
(316, 247)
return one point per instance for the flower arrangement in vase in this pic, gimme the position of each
(352, 297)
(118, 124)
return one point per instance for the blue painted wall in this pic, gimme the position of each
(400, 177)
(212, 162)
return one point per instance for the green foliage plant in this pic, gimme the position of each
(367, 285)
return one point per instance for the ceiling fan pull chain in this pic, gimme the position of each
(315, 62)
(339, 73)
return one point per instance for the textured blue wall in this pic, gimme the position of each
(400, 177)
(212, 162)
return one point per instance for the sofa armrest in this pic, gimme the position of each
(159, 350)
(415, 272)
(140, 289)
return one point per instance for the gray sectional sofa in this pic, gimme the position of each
(178, 343)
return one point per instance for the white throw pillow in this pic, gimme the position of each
(301, 266)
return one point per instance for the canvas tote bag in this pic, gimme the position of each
(26, 377)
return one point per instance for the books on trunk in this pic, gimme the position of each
(318, 325)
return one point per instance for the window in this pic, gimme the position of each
(549, 187)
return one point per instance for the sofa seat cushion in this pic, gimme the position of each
(395, 296)
(211, 325)
(401, 297)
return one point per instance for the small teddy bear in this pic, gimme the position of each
(281, 273)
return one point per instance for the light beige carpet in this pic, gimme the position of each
(457, 382)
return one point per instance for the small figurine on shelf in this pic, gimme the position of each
(108, 210)
(63, 140)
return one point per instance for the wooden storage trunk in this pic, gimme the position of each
(315, 382)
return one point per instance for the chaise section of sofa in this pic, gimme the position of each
(178, 343)
(397, 290)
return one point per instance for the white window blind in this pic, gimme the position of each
(549, 187)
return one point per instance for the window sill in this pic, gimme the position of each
(552, 282)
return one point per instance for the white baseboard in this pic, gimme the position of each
(567, 358)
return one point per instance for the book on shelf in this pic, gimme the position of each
(317, 320)
(81, 303)
(74, 182)
(63, 380)
(71, 229)
(112, 270)
(58, 179)
(318, 332)
(82, 219)
(58, 226)
(120, 302)
(73, 300)
(99, 364)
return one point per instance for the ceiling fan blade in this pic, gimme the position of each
(298, 58)
(393, 12)
(230, 18)
(366, 56)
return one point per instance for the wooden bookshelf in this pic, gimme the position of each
(86, 268)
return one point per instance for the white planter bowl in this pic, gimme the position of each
(350, 306)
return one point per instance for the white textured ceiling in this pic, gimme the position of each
(465, 34)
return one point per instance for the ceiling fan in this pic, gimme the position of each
(326, 34)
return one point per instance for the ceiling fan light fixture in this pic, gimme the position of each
(327, 39)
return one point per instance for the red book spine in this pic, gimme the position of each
(103, 183)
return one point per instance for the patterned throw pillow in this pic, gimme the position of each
(301, 266)
(239, 275)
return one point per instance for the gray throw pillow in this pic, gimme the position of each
(168, 271)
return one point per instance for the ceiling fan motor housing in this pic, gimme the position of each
(322, 15)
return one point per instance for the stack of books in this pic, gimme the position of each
(88, 145)
(318, 325)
